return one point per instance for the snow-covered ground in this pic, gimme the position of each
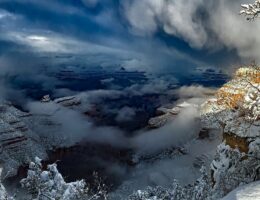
(246, 192)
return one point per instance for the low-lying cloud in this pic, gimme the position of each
(70, 126)
(194, 91)
(175, 133)
(125, 114)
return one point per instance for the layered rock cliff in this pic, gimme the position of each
(18, 143)
(24, 135)
(236, 112)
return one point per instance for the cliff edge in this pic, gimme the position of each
(235, 110)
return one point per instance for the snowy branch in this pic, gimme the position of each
(251, 11)
(50, 185)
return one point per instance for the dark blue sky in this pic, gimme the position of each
(133, 34)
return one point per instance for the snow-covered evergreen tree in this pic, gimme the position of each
(50, 185)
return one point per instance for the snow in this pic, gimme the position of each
(230, 167)
(251, 10)
(49, 184)
(169, 114)
(246, 192)
(185, 104)
(19, 144)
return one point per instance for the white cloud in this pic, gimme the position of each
(179, 20)
(201, 23)
(174, 133)
(143, 14)
(175, 17)
(194, 91)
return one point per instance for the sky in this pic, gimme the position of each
(145, 35)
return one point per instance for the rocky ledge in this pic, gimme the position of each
(167, 114)
(234, 113)
(235, 110)
(18, 143)
(24, 135)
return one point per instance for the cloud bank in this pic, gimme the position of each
(147, 35)
(202, 24)
(173, 134)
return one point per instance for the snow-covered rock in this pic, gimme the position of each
(24, 135)
(168, 115)
(235, 110)
(49, 184)
(68, 101)
(233, 113)
(3, 193)
(18, 143)
(46, 98)
(246, 192)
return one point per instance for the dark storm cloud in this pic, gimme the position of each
(203, 24)
(67, 17)
(154, 36)
(146, 40)
(19, 71)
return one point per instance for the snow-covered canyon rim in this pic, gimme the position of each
(219, 154)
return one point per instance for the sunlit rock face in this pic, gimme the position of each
(236, 111)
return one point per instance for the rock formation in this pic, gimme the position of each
(18, 143)
(167, 115)
(236, 111)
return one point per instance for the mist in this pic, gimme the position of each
(71, 127)
(175, 133)
(77, 126)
